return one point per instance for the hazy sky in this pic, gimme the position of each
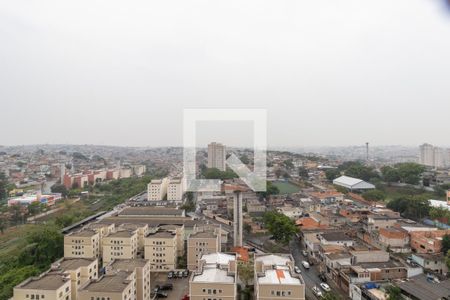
(328, 72)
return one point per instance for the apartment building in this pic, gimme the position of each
(217, 156)
(120, 245)
(47, 286)
(82, 244)
(142, 231)
(200, 243)
(376, 222)
(275, 278)
(175, 189)
(157, 189)
(179, 233)
(117, 286)
(141, 267)
(215, 279)
(161, 250)
(80, 271)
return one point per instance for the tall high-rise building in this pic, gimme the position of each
(217, 156)
(434, 156)
(426, 155)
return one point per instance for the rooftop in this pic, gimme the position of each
(272, 259)
(218, 258)
(335, 236)
(109, 283)
(48, 281)
(83, 233)
(424, 289)
(278, 276)
(203, 235)
(213, 274)
(128, 264)
(121, 234)
(161, 234)
(151, 211)
(74, 263)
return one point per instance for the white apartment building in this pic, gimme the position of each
(434, 156)
(157, 189)
(217, 156)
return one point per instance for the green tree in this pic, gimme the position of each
(288, 163)
(374, 195)
(390, 174)
(445, 243)
(59, 188)
(330, 296)
(414, 207)
(332, 174)
(3, 186)
(303, 173)
(246, 272)
(394, 293)
(270, 190)
(244, 159)
(280, 226)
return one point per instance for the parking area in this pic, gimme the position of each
(180, 285)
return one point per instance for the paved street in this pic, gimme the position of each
(180, 285)
(311, 276)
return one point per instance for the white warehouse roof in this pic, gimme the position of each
(353, 183)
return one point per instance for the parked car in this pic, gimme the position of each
(156, 289)
(325, 287)
(316, 291)
(304, 253)
(180, 274)
(170, 275)
(322, 277)
(305, 264)
(185, 273)
(166, 287)
(297, 270)
(161, 295)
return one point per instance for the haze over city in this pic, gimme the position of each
(328, 73)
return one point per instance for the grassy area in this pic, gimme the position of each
(13, 239)
(286, 187)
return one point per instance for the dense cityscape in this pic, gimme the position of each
(98, 222)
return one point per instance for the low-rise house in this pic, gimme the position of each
(275, 278)
(291, 212)
(335, 238)
(376, 222)
(431, 262)
(397, 240)
(427, 241)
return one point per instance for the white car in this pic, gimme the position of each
(316, 291)
(305, 264)
(304, 253)
(325, 287)
(297, 270)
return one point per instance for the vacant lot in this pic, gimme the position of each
(286, 187)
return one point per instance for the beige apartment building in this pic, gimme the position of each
(48, 286)
(175, 189)
(142, 231)
(200, 243)
(179, 232)
(82, 244)
(275, 278)
(215, 278)
(142, 269)
(116, 286)
(161, 250)
(80, 271)
(120, 245)
(157, 189)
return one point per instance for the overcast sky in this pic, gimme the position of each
(328, 72)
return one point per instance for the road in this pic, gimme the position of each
(311, 276)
